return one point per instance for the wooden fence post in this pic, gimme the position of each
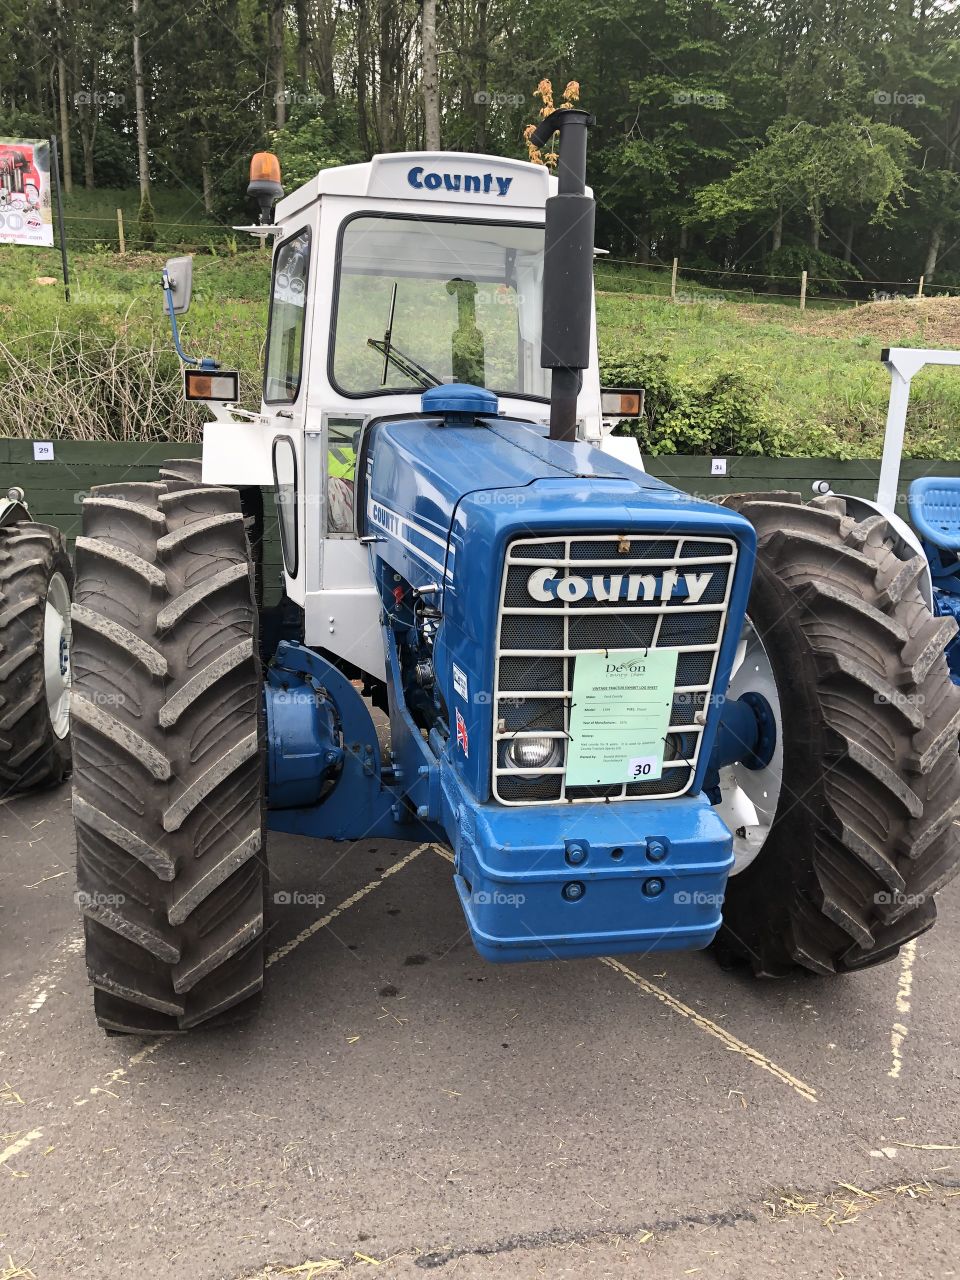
(123, 243)
(673, 281)
(803, 291)
(920, 288)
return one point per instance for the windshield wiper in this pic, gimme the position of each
(406, 364)
(388, 334)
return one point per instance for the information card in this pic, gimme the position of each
(619, 716)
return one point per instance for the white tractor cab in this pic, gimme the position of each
(363, 253)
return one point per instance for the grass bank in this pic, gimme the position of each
(721, 376)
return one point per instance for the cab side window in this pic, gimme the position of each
(343, 436)
(288, 311)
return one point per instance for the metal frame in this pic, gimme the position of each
(902, 363)
(625, 564)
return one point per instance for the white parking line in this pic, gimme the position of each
(711, 1028)
(119, 1074)
(282, 952)
(44, 984)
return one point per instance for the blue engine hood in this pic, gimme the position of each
(442, 501)
(419, 471)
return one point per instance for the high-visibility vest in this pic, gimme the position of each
(341, 462)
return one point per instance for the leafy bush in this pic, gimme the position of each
(309, 142)
(721, 414)
(829, 272)
(115, 159)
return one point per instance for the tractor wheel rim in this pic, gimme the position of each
(56, 654)
(750, 796)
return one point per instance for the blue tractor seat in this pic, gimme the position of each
(935, 510)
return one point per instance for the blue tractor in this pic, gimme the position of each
(640, 721)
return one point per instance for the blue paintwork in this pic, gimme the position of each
(513, 864)
(439, 528)
(360, 804)
(746, 731)
(456, 401)
(442, 500)
(947, 605)
(472, 183)
(302, 742)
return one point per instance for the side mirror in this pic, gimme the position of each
(178, 278)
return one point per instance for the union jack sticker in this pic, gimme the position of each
(463, 741)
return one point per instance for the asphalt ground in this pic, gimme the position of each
(399, 1106)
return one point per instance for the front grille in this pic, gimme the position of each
(538, 641)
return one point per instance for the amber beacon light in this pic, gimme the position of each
(265, 185)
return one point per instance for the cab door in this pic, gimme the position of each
(286, 378)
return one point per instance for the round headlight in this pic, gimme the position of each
(534, 753)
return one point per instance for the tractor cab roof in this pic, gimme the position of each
(449, 177)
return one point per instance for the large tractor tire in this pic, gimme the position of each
(189, 470)
(36, 581)
(168, 750)
(864, 830)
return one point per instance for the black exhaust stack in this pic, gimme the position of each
(568, 269)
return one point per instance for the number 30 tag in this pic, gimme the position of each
(643, 769)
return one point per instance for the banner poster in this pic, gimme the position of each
(25, 203)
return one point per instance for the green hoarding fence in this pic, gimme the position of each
(56, 487)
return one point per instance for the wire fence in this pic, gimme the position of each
(691, 284)
(122, 233)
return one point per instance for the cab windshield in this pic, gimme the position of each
(422, 302)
